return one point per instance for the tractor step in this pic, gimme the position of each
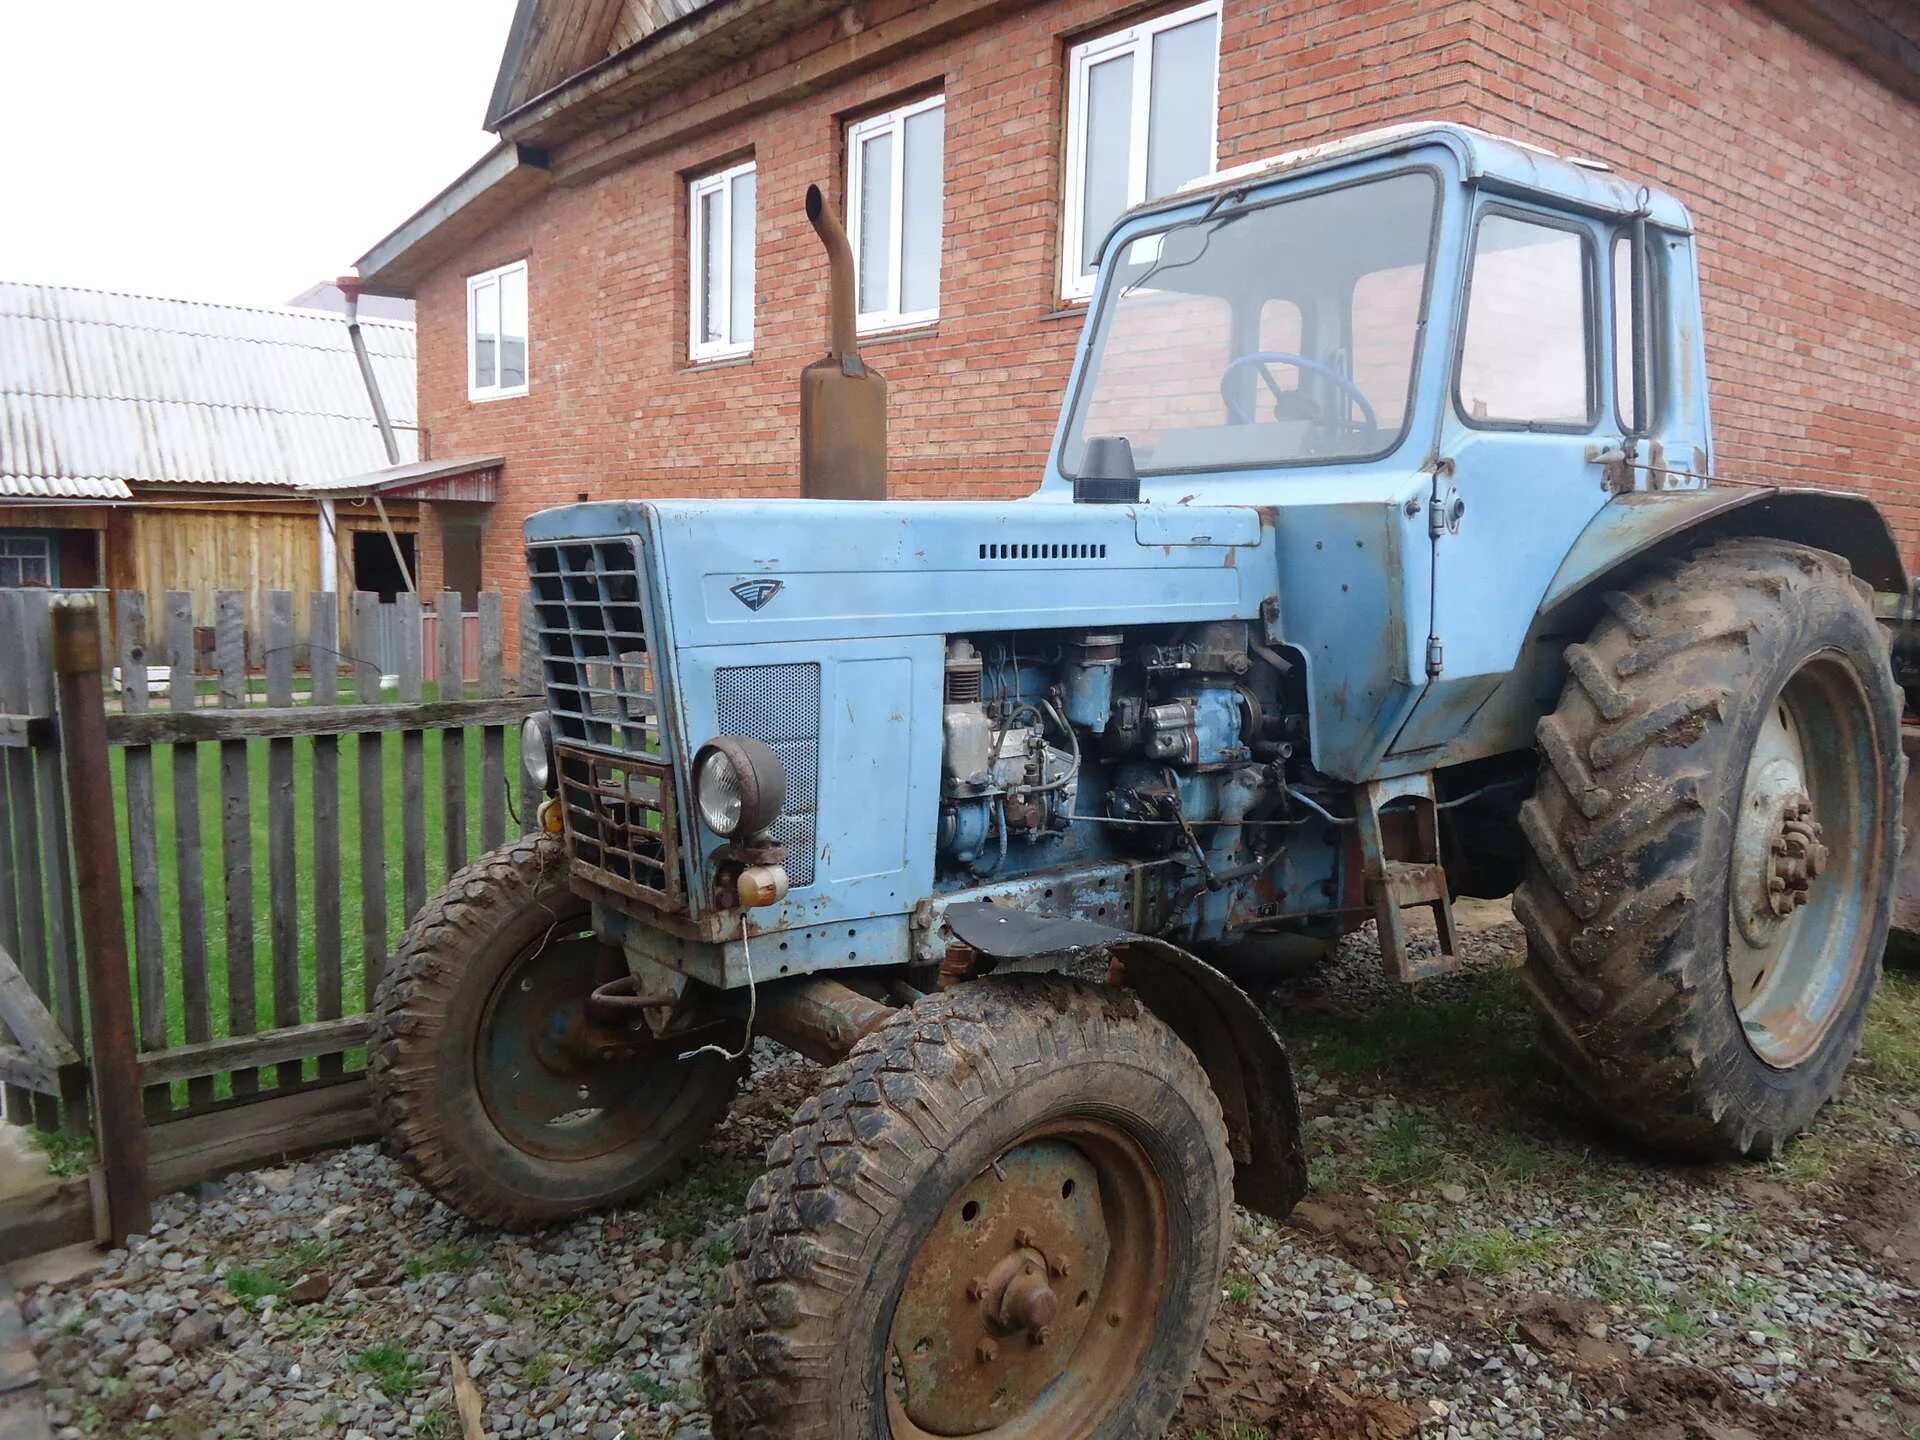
(1411, 879)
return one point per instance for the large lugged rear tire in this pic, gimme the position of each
(1713, 840)
(474, 1096)
(1004, 1214)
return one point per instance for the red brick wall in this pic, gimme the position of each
(1803, 173)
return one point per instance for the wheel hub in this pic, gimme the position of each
(1027, 1286)
(1798, 858)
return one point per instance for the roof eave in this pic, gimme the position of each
(511, 58)
(538, 115)
(494, 186)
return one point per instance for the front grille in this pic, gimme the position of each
(780, 704)
(614, 764)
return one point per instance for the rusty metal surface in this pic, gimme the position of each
(554, 1081)
(119, 1120)
(621, 824)
(820, 1018)
(843, 402)
(1036, 1288)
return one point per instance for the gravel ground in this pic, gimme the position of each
(1474, 1261)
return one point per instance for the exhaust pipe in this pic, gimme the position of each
(843, 403)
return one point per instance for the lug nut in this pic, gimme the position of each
(1040, 1336)
(1023, 1238)
(975, 1290)
(987, 1352)
(1059, 1269)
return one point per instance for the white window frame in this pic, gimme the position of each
(1076, 284)
(892, 122)
(720, 181)
(497, 391)
(46, 554)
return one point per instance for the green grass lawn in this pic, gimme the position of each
(264, 819)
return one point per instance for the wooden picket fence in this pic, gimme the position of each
(267, 868)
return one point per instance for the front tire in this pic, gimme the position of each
(1005, 1214)
(474, 1091)
(1713, 840)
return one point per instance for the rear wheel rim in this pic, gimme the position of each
(1804, 852)
(1033, 1301)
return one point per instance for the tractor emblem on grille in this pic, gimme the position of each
(754, 594)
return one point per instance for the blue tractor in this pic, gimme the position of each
(1380, 558)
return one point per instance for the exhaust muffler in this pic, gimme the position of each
(843, 402)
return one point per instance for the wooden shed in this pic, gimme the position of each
(174, 445)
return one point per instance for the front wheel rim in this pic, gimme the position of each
(542, 1096)
(1032, 1302)
(1806, 849)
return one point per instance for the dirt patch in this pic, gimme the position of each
(1245, 1381)
(1685, 1402)
(1884, 1206)
(1346, 1222)
(1577, 1333)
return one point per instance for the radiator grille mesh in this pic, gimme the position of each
(780, 704)
(614, 776)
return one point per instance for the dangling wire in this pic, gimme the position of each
(753, 1010)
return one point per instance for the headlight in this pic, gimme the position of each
(738, 785)
(536, 749)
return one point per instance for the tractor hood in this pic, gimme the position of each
(749, 572)
(1341, 572)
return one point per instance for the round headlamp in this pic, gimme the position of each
(536, 749)
(738, 785)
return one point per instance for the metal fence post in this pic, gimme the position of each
(120, 1123)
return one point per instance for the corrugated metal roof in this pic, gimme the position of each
(97, 387)
(62, 487)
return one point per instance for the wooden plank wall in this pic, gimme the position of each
(258, 827)
(254, 550)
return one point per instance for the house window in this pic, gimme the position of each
(721, 249)
(497, 332)
(25, 560)
(1526, 356)
(895, 163)
(1142, 105)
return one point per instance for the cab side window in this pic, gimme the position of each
(1625, 361)
(1526, 356)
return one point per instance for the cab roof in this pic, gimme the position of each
(1514, 167)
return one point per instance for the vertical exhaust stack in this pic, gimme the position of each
(843, 403)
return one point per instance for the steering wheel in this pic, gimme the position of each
(1264, 358)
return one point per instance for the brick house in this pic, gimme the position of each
(619, 298)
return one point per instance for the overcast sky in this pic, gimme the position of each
(230, 149)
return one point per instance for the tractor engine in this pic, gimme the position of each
(1070, 747)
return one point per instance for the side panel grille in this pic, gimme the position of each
(780, 704)
(615, 769)
(1044, 550)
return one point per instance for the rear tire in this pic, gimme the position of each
(1695, 1007)
(460, 1059)
(860, 1302)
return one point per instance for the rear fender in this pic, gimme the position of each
(1636, 530)
(1644, 526)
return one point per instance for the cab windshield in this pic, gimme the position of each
(1268, 334)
